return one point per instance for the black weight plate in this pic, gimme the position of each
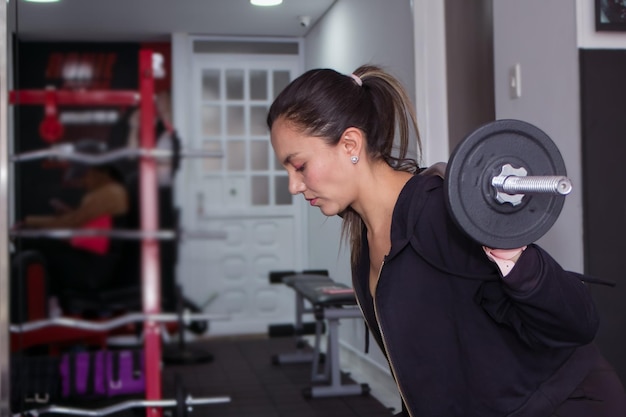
(471, 197)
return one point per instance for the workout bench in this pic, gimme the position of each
(330, 301)
(299, 328)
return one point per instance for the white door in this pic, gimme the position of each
(244, 194)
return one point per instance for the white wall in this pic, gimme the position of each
(430, 79)
(356, 32)
(548, 55)
(550, 99)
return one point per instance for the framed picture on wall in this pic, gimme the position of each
(610, 15)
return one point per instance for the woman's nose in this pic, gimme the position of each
(296, 185)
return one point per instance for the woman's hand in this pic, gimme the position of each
(504, 258)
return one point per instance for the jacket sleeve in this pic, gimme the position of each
(544, 304)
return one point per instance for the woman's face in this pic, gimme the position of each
(318, 171)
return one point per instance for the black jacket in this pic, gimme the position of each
(460, 339)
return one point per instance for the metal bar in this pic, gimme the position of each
(106, 325)
(4, 217)
(332, 353)
(552, 184)
(512, 184)
(76, 98)
(117, 234)
(316, 375)
(66, 152)
(150, 268)
(122, 406)
(332, 369)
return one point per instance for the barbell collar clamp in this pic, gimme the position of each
(512, 184)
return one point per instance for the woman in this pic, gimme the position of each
(467, 330)
(83, 262)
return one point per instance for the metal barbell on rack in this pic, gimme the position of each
(126, 234)
(182, 405)
(105, 325)
(505, 184)
(67, 151)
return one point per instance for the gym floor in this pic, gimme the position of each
(242, 369)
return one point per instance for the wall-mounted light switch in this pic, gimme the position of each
(515, 81)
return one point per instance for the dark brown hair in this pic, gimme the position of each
(324, 103)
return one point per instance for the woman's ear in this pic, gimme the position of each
(352, 141)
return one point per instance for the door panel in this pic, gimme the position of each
(231, 276)
(244, 194)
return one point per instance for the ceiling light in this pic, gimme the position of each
(42, 1)
(265, 2)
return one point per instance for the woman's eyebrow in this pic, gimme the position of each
(287, 160)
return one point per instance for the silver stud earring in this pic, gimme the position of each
(354, 159)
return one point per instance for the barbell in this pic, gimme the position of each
(106, 325)
(125, 234)
(180, 406)
(67, 151)
(505, 184)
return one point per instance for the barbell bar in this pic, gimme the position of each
(182, 405)
(106, 325)
(512, 184)
(505, 184)
(66, 151)
(124, 405)
(125, 234)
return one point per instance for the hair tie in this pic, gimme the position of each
(357, 79)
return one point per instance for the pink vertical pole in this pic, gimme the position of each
(150, 258)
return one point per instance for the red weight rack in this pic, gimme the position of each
(148, 189)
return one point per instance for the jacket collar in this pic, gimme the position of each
(408, 209)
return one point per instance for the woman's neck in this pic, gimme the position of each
(377, 199)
